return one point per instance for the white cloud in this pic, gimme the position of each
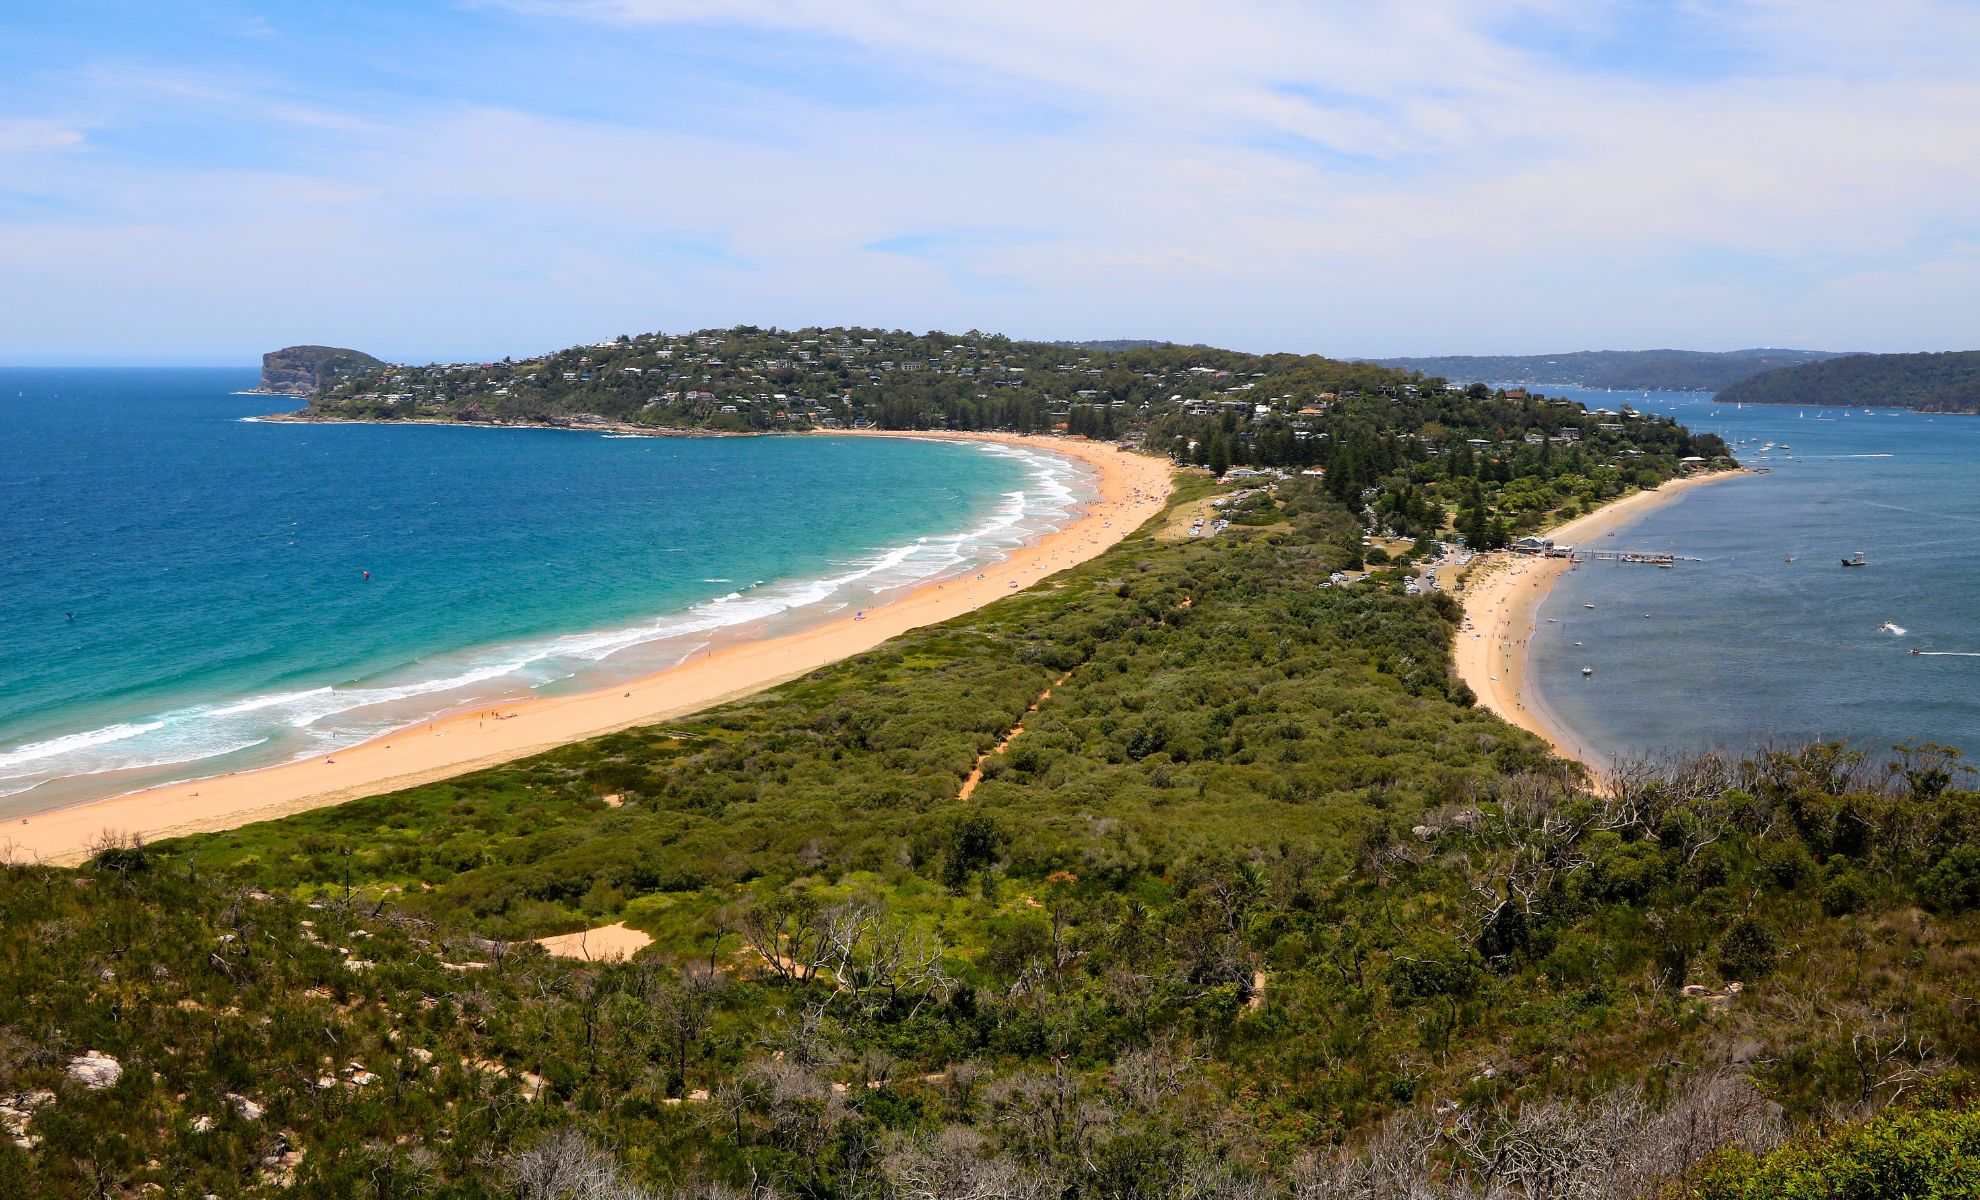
(1349, 177)
(22, 136)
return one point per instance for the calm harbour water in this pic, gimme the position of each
(1747, 648)
(187, 591)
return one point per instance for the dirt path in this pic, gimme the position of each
(976, 772)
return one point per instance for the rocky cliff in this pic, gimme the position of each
(306, 370)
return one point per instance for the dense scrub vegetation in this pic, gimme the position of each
(1256, 904)
(1947, 382)
(1927, 1149)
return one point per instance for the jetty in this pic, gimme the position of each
(1655, 559)
(1541, 547)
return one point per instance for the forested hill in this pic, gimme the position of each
(748, 379)
(1653, 370)
(1948, 382)
(1362, 422)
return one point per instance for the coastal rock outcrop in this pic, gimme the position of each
(307, 370)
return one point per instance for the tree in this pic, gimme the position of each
(1220, 455)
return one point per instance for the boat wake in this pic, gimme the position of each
(1892, 628)
(1947, 653)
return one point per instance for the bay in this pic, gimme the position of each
(1747, 648)
(190, 592)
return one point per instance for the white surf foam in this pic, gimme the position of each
(315, 720)
(75, 743)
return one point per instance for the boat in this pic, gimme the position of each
(1858, 561)
(1789, 558)
(1916, 650)
(1588, 606)
(1586, 671)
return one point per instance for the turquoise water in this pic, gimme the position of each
(187, 594)
(1746, 648)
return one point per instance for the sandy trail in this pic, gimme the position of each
(976, 773)
(1131, 488)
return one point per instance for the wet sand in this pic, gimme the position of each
(1131, 488)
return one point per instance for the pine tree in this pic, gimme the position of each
(1220, 455)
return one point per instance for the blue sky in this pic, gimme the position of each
(195, 181)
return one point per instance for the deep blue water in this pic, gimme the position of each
(186, 591)
(1747, 648)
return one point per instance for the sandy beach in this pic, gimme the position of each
(1502, 592)
(1131, 488)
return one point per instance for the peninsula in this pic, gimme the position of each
(1939, 383)
(1623, 370)
(1196, 846)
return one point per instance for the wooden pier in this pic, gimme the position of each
(1649, 558)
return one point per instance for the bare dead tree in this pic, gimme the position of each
(954, 1164)
(800, 1109)
(1617, 1145)
(1394, 1164)
(1890, 1057)
(567, 1166)
(874, 957)
(788, 932)
(1050, 1114)
(1149, 1078)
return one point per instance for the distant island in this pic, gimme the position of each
(1943, 383)
(1631, 370)
(307, 370)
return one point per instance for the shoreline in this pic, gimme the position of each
(1131, 488)
(614, 428)
(1502, 594)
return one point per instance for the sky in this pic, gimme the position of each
(196, 181)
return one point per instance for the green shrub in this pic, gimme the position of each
(1749, 950)
(1953, 883)
(1924, 1153)
(1848, 892)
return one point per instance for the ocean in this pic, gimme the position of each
(1748, 649)
(191, 592)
